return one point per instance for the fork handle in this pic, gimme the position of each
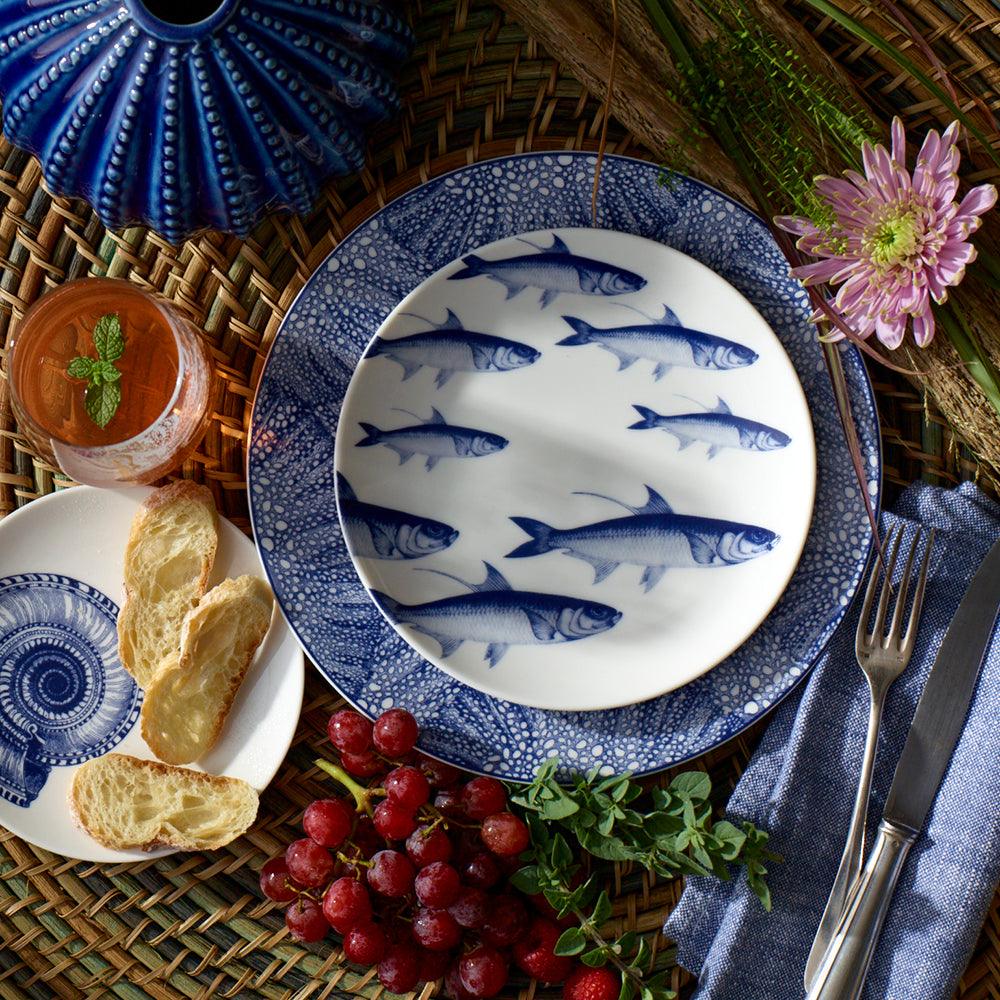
(845, 965)
(854, 848)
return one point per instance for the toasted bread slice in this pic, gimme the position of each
(126, 803)
(187, 703)
(169, 556)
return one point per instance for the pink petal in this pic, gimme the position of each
(890, 332)
(979, 200)
(820, 270)
(898, 141)
(923, 327)
(796, 224)
(930, 152)
(950, 137)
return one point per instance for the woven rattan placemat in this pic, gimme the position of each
(195, 925)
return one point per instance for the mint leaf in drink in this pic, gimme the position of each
(101, 401)
(80, 368)
(106, 371)
(104, 392)
(108, 338)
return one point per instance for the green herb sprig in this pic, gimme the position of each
(674, 833)
(104, 391)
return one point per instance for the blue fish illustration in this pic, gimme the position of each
(500, 616)
(664, 342)
(434, 438)
(383, 533)
(553, 269)
(451, 348)
(717, 426)
(653, 537)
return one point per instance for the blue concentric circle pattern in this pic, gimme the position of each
(292, 482)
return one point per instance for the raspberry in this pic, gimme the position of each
(592, 984)
(535, 955)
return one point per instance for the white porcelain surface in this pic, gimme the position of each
(77, 537)
(540, 422)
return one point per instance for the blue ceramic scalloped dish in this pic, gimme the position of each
(293, 486)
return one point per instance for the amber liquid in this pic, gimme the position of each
(54, 336)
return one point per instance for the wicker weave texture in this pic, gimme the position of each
(192, 925)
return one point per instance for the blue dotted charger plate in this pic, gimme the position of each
(293, 490)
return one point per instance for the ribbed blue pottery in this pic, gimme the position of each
(200, 114)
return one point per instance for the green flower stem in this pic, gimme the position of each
(976, 364)
(872, 38)
(362, 796)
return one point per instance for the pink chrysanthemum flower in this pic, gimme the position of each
(896, 242)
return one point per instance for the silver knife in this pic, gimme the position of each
(937, 725)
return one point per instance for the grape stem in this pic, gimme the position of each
(361, 795)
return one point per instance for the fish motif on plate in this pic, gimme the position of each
(554, 270)
(433, 438)
(557, 432)
(450, 348)
(494, 613)
(652, 536)
(718, 427)
(375, 532)
(664, 342)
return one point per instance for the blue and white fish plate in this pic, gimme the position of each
(575, 469)
(65, 697)
(660, 363)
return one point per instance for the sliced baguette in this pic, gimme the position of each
(169, 556)
(126, 803)
(187, 703)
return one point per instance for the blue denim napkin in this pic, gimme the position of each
(800, 786)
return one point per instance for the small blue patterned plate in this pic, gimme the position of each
(501, 422)
(64, 696)
(292, 472)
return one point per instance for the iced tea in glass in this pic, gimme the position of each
(162, 374)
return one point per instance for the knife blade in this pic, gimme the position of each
(935, 730)
(940, 715)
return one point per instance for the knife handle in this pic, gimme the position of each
(845, 965)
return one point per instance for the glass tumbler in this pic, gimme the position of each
(68, 369)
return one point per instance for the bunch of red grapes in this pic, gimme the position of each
(416, 884)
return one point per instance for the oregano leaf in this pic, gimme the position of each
(571, 942)
(695, 785)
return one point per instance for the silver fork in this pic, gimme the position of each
(883, 659)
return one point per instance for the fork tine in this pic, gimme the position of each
(860, 638)
(896, 627)
(918, 598)
(883, 599)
